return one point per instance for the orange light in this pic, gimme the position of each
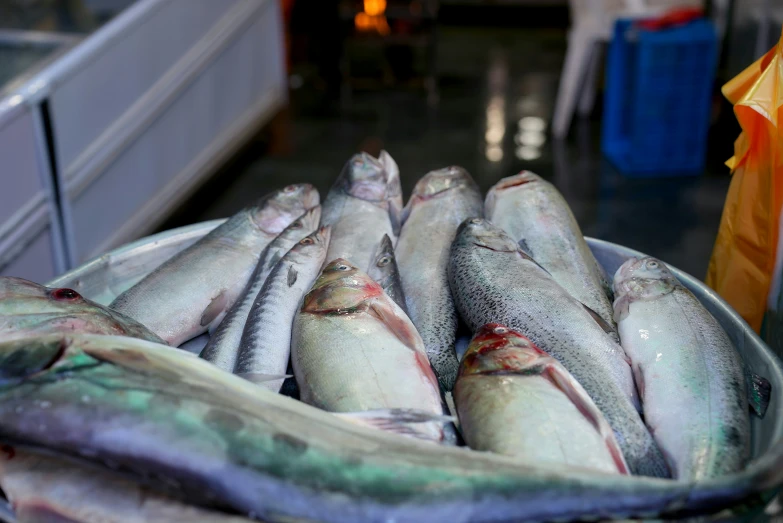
(374, 7)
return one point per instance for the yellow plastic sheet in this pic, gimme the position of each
(743, 259)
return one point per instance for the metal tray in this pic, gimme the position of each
(105, 277)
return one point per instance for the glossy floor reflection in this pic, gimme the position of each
(497, 92)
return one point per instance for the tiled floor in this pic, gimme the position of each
(497, 85)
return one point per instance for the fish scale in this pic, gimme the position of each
(494, 282)
(265, 346)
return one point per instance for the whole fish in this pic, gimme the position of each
(265, 348)
(494, 281)
(440, 201)
(385, 272)
(534, 213)
(52, 489)
(29, 309)
(515, 399)
(361, 207)
(690, 376)
(224, 344)
(172, 418)
(192, 291)
(353, 349)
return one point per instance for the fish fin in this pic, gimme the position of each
(397, 323)
(759, 390)
(599, 320)
(523, 245)
(528, 257)
(621, 307)
(564, 381)
(258, 377)
(292, 275)
(405, 422)
(215, 308)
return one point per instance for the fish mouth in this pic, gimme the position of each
(522, 178)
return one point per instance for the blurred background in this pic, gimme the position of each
(119, 118)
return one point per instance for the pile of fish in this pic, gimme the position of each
(333, 388)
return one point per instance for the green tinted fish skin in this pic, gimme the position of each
(29, 309)
(51, 489)
(192, 291)
(162, 413)
(493, 280)
(224, 344)
(441, 200)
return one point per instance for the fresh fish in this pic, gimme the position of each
(173, 418)
(192, 291)
(223, 346)
(494, 281)
(360, 207)
(353, 349)
(265, 347)
(52, 489)
(534, 213)
(440, 201)
(29, 309)
(515, 399)
(385, 272)
(690, 376)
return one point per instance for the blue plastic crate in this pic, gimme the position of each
(658, 98)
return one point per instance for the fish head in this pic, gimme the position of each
(438, 182)
(518, 182)
(496, 349)
(643, 279)
(314, 244)
(28, 309)
(366, 177)
(384, 255)
(306, 222)
(278, 209)
(482, 233)
(341, 288)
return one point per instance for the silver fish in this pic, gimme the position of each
(29, 309)
(168, 416)
(265, 348)
(224, 344)
(515, 399)
(360, 207)
(52, 489)
(494, 281)
(690, 376)
(440, 201)
(354, 349)
(534, 213)
(385, 272)
(193, 290)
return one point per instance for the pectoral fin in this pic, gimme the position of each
(215, 309)
(405, 422)
(759, 390)
(579, 397)
(398, 324)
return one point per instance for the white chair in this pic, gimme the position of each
(592, 25)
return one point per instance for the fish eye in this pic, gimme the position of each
(500, 330)
(475, 221)
(342, 267)
(384, 261)
(296, 225)
(306, 241)
(65, 295)
(652, 264)
(289, 188)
